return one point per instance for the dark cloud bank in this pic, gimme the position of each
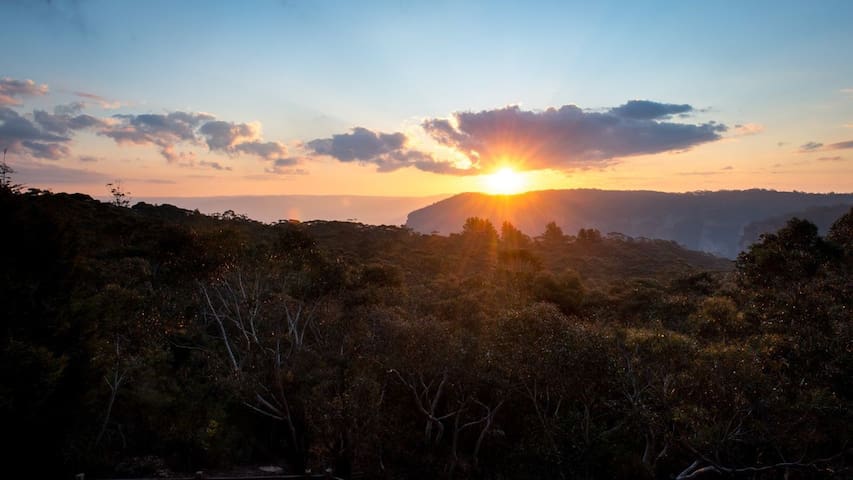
(564, 138)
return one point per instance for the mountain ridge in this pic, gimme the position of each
(710, 221)
(370, 209)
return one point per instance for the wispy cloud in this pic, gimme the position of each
(810, 147)
(699, 174)
(726, 169)
(214, 165)
(748, 129)
(840, 145)
(158, 181)
(287, 167)
(820, 147)
(100, 101)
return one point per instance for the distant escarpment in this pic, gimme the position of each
(722, 223)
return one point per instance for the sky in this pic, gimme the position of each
(405, 98)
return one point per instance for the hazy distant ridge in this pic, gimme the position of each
(710, 221)
(375, 210)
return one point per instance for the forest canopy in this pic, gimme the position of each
(149, 339)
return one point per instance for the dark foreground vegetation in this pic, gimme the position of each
(145, 339)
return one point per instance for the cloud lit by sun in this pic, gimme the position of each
(505, 181)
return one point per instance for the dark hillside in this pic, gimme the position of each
(152, 340)
(714, 222)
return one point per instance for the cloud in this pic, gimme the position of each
(387, 151)
(286, 166)
(568, 138)
(61, 124)
(48, 151)
(225, 136)
(820, 147)
(159, 181)
(184, 159)
(265, 150)
(73, 108)
(699, 174)
(241, 138)
(102, 102)
(167, 131)
(14, 127)
(723, 170)
(286, 162)
(847, 91)
(840, 145)
(162, 130)
(360, 145)
(214, 165)
(648, 110)
(11, 90)
(88, 159)
(748, 129)
(23, 136)
(810, 146)
(831, 159)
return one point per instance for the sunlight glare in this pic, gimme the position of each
(505, 181)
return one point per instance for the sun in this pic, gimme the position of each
(505, 181)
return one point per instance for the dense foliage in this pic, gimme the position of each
(151, 338)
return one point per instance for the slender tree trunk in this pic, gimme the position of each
(114, 386)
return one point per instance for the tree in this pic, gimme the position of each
(841, 233)
(479, 241)
(561, 371)
(589, 236)
(564, 290)
(552, 236)
(121, 198)
(513, 238)
(6, 177)
(480, 229)
(266, 336)
(780, 275)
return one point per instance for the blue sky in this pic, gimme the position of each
(308, 70)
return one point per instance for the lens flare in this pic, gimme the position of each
(505, 181)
